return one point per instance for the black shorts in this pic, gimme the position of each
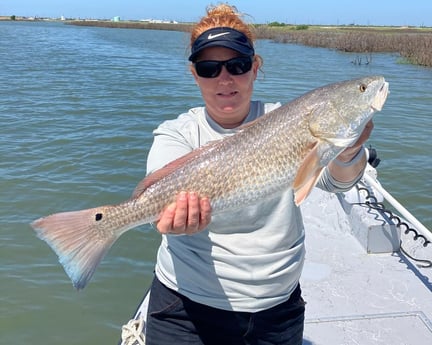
(176, 320)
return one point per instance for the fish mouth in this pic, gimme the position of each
(380, 98)
(375, 109)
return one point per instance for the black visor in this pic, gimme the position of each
(222, 37)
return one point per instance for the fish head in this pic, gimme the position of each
(337, 115)
(342, 110)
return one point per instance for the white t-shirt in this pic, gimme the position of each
(246, 260)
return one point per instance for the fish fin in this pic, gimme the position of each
(307, 175)
(162, 172)
(248, 124)
(309, 165)
(302, 193)
(159, 174)
(75, 238)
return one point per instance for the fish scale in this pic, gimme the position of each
(286, 148)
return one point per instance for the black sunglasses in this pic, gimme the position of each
(235, 66)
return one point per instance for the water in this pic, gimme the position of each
(77, 108)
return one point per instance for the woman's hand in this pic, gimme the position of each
(188, 215)
(349, 153)
(351, 161)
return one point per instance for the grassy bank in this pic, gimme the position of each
(133, 25)
(413, 44)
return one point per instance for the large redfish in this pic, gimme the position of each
(285, 148)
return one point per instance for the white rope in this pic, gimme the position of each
(132, 332)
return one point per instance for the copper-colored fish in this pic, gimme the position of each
(286, 148)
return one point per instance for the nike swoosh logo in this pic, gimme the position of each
(211, 36)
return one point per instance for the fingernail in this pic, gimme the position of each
(182, 196)
(170, 209)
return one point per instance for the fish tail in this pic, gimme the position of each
(77, 241)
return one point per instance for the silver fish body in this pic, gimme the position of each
(261, 159)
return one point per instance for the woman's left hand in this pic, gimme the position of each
(349, 153)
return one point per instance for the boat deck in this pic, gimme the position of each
(356, 297)
(359, 287)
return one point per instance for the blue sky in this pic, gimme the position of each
(335, 12)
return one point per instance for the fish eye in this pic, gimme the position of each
(362, 87)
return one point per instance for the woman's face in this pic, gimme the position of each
(227, 97)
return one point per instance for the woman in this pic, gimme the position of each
(235, 278)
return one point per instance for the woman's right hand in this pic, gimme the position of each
(188, 215)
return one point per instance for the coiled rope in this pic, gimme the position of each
(372, 203)
(132, 332)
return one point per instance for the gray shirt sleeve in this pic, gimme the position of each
(329, 184)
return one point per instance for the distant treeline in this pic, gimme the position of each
(413, 44)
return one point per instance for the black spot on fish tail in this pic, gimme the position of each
(98, 216)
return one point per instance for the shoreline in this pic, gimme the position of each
(413, 44)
